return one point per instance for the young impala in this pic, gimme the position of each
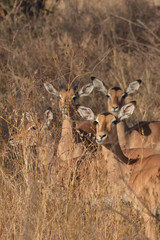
(70, 147)
(31, 128)
(143, 134)
(35, 139)
(140, 172)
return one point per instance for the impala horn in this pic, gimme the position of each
(76, 85)
(60, 85)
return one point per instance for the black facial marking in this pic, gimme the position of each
(116, 88)
(124, 95)
(106, 114)
(115, 121)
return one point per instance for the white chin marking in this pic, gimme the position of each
(115, 111)
(99, 142)
(13, 143)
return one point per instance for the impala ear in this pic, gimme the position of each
(99, 85)
(86, 113)
(86, 90)
(127, 110)
(52, 90)
(29, 117)
(48, 117)
(133, 87)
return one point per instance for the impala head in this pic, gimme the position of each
(105, 128)
(69, 97)
(106, 122)
(31, 128)
(21, 136)
(116, 96)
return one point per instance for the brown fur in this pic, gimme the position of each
(115, 101)
(86, 126)
(142, 135)
(141, 176)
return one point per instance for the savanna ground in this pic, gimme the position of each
(116, 41)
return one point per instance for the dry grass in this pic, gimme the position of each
(40, 196)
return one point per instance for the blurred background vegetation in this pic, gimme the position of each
(47, 40)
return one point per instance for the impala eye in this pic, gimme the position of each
(114, 122)
(74, 98)
(108, 95)
(124, 95)
(32, 128)
(95, 122)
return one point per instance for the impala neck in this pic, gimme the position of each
(66, 128)
(116, 149)
(65, 146)
(122, 132)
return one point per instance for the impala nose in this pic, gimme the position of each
(101, 139)
(13, 143)
(64, 110)
(115, 109)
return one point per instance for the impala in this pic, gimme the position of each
(31, 128)
(37, 138)
(115, 95)
(140, 172)
(71, 147)
(141, 135)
